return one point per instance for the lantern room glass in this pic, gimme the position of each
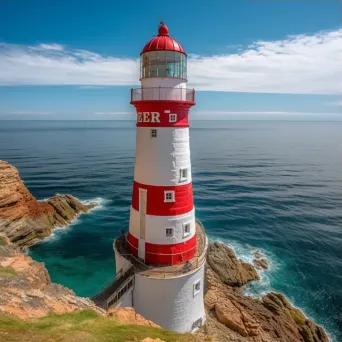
(163, 64)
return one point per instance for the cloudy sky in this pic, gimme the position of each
(246, 59)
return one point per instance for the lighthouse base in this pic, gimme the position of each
(171, 296)
(173, 303)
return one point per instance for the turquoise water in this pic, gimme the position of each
(275, 186)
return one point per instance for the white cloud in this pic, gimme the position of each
(114, 113)
(54, 47)
(336, 103)
(261, 113)
(23, 112)
(302, 64)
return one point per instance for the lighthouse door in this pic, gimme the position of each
(142, 223)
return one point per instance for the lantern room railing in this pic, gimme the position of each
(162, 94)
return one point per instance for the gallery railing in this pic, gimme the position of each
(162, 94)
(170, 270)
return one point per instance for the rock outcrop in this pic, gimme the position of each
(235, 317)
(260, 262)
(23, 219)
(129, 316)
(231, 271)
(26, 289)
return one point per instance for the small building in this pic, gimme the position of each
(160, 262)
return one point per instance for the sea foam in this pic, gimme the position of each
(58, 231)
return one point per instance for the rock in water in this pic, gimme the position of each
(235, 317)
(223, 261)
(23, 219)
(260, 261)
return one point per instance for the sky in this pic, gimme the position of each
(248, 60)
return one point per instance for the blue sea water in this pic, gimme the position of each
(272, 186)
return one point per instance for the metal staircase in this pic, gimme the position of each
(111, 294)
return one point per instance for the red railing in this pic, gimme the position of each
(162, 94)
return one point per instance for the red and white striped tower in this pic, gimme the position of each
(161, 274)
(162, 219)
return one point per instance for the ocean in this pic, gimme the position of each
(268, 185)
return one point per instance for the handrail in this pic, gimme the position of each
(114, 287)
(124, 281)
(162, 94)
(148, 270)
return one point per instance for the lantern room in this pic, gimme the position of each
(163, 56)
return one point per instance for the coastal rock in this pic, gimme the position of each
(23, 219)
(27, 291)
(260, 264)
(231, 271)
(129, 316)
(259, 261)
(232, 316)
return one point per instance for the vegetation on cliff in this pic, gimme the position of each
(34, 309)
(85, 326)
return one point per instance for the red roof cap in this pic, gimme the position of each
(163, 42)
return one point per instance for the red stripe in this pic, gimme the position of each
(175, 107)
(155, 205)
(165, 254)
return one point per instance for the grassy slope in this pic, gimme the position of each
(84, 326)
(7, 272)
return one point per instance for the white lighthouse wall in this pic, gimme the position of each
(158, 161)
(122, 264)
(126, 300)
(171, 82)
(156, 227)
(163, 88)
(171, 302)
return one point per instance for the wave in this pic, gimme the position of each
(100, 202)
(58, 231)
(258, 289)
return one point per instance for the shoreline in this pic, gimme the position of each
(99, 205)
(245, 252)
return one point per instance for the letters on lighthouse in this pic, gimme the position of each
(149, 117)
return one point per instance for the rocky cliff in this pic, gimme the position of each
(32, 308)
(23, 219)
(235, 317)
(26, 289)
(27, 292)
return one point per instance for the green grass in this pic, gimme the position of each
(7, 272)
(2, 241)
(82, 326)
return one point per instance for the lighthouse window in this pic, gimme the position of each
(186, 229)
(163, 64)
(197, 287)
(153, 133)
(169, 196)
(169, 232)
(183, 175)
(172, 117)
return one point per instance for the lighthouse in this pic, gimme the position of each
(160, 261)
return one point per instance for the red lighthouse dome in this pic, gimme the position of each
(163, 42)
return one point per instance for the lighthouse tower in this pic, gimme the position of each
(160, 262)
